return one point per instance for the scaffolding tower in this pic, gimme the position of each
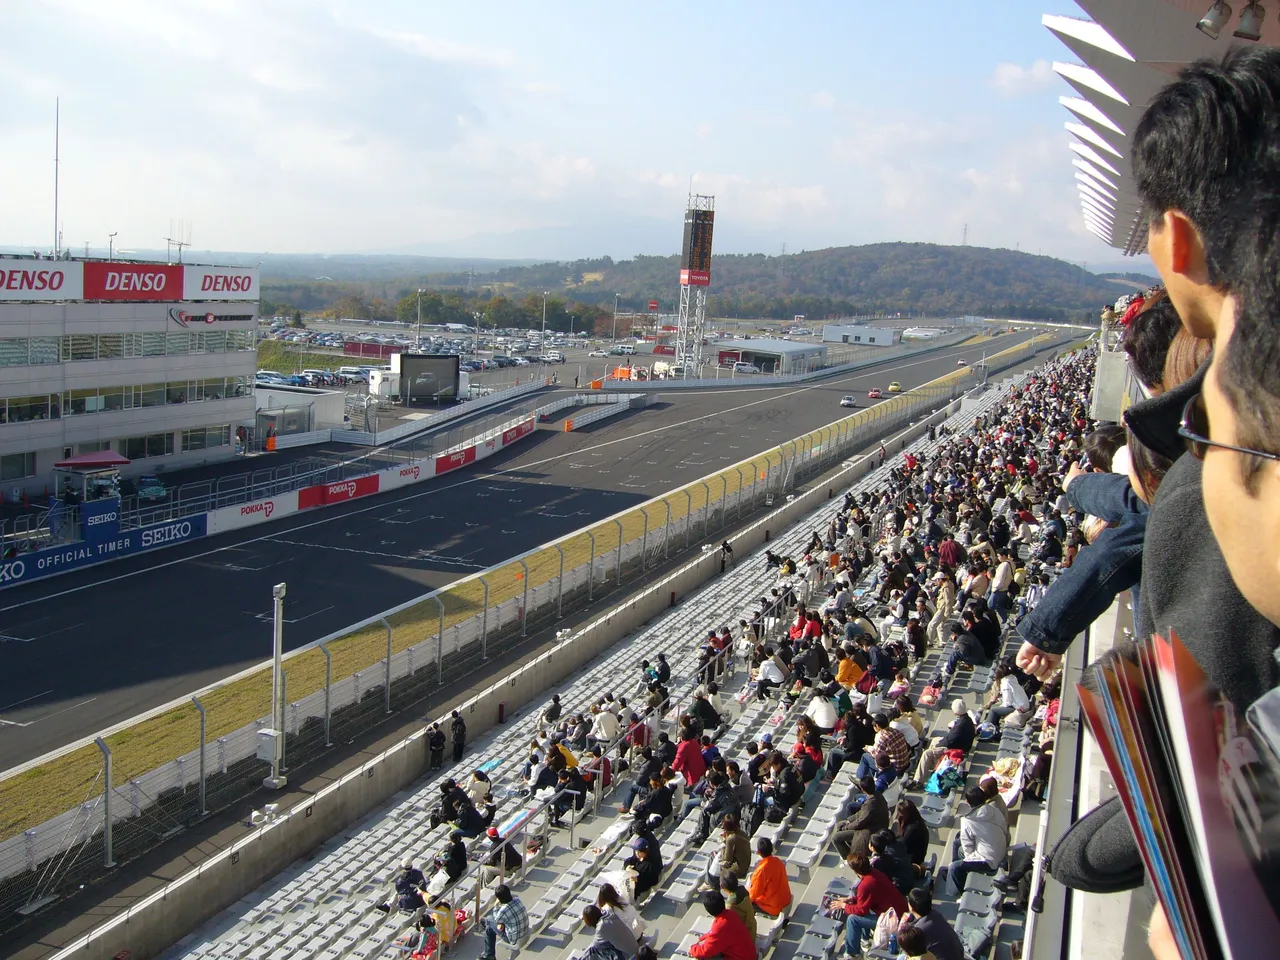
(695, 275)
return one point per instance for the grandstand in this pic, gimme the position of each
(326, 906)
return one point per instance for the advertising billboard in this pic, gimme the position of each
(695, 257)
(132, 281)
(428, 377)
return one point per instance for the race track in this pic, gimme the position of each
(91, 648)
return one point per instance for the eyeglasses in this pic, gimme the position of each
(1194, 429)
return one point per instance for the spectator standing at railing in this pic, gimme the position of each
(458, 733)
(435, 744)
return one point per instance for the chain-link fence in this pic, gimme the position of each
(178, 762)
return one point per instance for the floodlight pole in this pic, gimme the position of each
(275, 781)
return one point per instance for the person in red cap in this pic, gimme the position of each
(503, 859)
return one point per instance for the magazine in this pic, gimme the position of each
(1201, 788)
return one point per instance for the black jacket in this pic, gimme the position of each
(1192, 591)
(960, 734)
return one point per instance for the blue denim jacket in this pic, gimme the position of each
(1101, 571)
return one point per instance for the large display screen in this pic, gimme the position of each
(428, 376)
(695, 258)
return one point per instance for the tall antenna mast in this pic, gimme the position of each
(57, 154)
(964, 239)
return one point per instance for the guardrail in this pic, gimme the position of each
(172, 764)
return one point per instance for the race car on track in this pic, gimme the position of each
(874, 393)
(962, 363)
(895, 387)
(151, 488)
(849, 401)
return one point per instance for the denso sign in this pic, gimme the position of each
(220, 283)
(41, 280)
(132, 281)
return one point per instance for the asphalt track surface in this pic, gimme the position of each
(88, 649)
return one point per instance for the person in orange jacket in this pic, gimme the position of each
(728, 936)
(769, 887)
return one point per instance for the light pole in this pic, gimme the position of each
(419, 318)
(542, 341)
(275, 781)
(615, 317)
(111, 244)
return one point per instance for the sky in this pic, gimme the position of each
(563, 130)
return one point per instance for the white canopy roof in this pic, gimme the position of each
(1127, 53)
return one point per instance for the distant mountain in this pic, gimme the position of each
(911, 278)
(1139, 281)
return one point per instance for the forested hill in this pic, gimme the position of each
(919, 278)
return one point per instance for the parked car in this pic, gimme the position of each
(598, 353)
(849, 401)
(742, 367)
(874, 393)
(895, 387)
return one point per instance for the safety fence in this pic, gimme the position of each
(164, 769)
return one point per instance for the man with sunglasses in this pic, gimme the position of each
(1204, 145)
(1233, 426)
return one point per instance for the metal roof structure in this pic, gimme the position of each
(1127, 53)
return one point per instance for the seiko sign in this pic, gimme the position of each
(165, 534)
(12, 572)
(111, 517)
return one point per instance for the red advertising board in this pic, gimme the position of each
(665, 350)
(328, 494)
(653, 304)
(727, 357)
(516, 432)
(452, 461)
(132, 281)
(695, 278)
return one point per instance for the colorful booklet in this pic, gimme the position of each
(1201, 787)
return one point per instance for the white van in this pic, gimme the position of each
(741, 367)
(623, 350)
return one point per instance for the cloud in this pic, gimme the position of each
(823, 100)
(1015, 80)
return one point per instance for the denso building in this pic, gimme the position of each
(153, 361)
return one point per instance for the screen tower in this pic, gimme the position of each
(695, 277)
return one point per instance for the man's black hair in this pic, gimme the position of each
(1205, 138)
(713, 900)
(920, 900)
(1250, 366)
(1148, 338)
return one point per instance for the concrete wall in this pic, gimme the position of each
(159, 921)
